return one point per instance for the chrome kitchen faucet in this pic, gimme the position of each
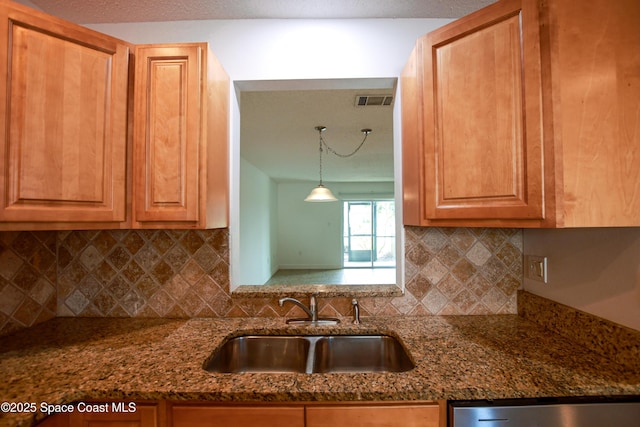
(311, 311)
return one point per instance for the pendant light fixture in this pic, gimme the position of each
(322, 193)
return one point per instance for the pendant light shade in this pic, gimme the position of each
(321, 194)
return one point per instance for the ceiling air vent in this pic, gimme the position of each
(377, 100)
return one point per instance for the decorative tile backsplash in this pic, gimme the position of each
(27, 279)
(185, 273)
(462, 270)
(151, 273)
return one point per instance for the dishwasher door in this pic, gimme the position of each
(606, 414)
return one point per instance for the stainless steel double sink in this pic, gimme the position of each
(310, 354)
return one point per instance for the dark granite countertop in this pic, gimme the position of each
(457, 357)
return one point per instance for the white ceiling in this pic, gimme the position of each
(105, 11)
(278, 136)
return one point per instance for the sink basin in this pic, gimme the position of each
(261, 354)
(360, 353)
(310, 354)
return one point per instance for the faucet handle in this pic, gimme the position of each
(313, 307)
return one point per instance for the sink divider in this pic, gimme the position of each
(312, 352)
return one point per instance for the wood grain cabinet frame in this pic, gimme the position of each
(63, 133)
(525, 113)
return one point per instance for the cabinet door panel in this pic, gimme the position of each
(64, 122)
(167, 133)
(237, 416)
(482, 116)
(144, 416)
(479, 114)
(374, 416)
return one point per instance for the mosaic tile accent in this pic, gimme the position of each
(185, 273)
(609, 339)
(27, 279)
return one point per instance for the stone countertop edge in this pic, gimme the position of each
(67, 360)
(324, 291)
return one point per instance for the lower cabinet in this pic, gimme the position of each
(101, 414)
(360, 414)
(207, 414)
(374, 415)
(143, 416)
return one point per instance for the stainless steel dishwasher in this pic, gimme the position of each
(570, 412)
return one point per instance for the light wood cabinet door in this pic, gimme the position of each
(63, 127)
(378, 415)
(142, 415)
(180, 138)
(57, 420)
(237, 416)
(483, 151)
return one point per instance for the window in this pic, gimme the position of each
(369, 234)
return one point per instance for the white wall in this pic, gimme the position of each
(594, 270)
(292, 49)
(258, 214)
(310, 234)
(27, 3)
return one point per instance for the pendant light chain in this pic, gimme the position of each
(322, 193)
(366, 133)
(320, 150)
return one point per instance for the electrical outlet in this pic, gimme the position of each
(536, 268)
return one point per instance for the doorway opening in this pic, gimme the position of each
(369, 234)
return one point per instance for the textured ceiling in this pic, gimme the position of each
(103, 11)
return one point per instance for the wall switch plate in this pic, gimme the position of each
(536, 268)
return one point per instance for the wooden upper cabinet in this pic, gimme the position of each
(63, 132)
(180, 138)
(525, 113)
(481, 150)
